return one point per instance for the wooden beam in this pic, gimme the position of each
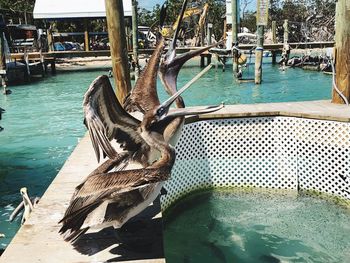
(262, 14)
(234, 7)
(273, 29)
(86, 35)
(135, 42)
(50, 40)
(285, 31)
(274, 40)
(118, 47)
(342, 54)
(3, 62)
(259, 55)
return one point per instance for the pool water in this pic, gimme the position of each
(244, 227)
(44, 121)
(294, 84)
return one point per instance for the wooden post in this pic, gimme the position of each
(342, 52)
(234, 37)
(261, 21)
(119, 53)
(50, 39)
(285, 31)
(86, 35)
(3, 62)
(274, 41)
(273, 29)
(259, 55)
(135, 42)
(210, 32)
(53, 67)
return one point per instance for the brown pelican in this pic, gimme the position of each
(111, 198)
(145, 89)
(28, 204)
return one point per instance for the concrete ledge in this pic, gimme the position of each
(322, 110)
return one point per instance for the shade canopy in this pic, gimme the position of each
(60, 9)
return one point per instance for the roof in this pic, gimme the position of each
(56, 9)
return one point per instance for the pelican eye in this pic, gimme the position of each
(160, 111)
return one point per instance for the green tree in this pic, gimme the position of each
(18, 10)
(249, 21)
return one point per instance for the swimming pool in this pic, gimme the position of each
(237, 226)
(43, 120)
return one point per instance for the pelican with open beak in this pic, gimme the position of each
(110, 198)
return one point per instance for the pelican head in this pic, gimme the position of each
(28, 206)
(24, 192)
(26, 199)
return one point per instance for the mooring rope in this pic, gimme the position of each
(335, 85)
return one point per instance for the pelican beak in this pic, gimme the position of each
(163, 111)
(180, 112)
(177, 30)
(164, 107)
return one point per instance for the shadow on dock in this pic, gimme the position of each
(141, 238)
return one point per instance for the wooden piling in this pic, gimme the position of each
(261, 21)
(53, 67)
(118, 48)
(273, 29)
(50, 40)
(259, 55)
(342, 52)
(86, 35)
(234, 7)
(274, 41)
(209, 33)
(285, 31)
(135, 41)
(3, 62)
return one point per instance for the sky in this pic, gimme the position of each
(148, 4)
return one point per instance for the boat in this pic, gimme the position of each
(22, 38)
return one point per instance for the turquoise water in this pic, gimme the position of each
(43, 121)
(220, 227)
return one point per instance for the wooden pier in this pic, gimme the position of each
(38, 239)
(99, 53)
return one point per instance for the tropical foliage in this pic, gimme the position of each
(309, 19)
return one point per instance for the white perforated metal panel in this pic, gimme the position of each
(267, 152)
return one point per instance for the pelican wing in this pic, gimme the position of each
(106, 119)
(125, 188)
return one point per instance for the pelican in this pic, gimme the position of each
(111, 198)
(108, 198)
(145, 89)
(28, 204)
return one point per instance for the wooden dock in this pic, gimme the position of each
(38, 239)
(99, 53)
